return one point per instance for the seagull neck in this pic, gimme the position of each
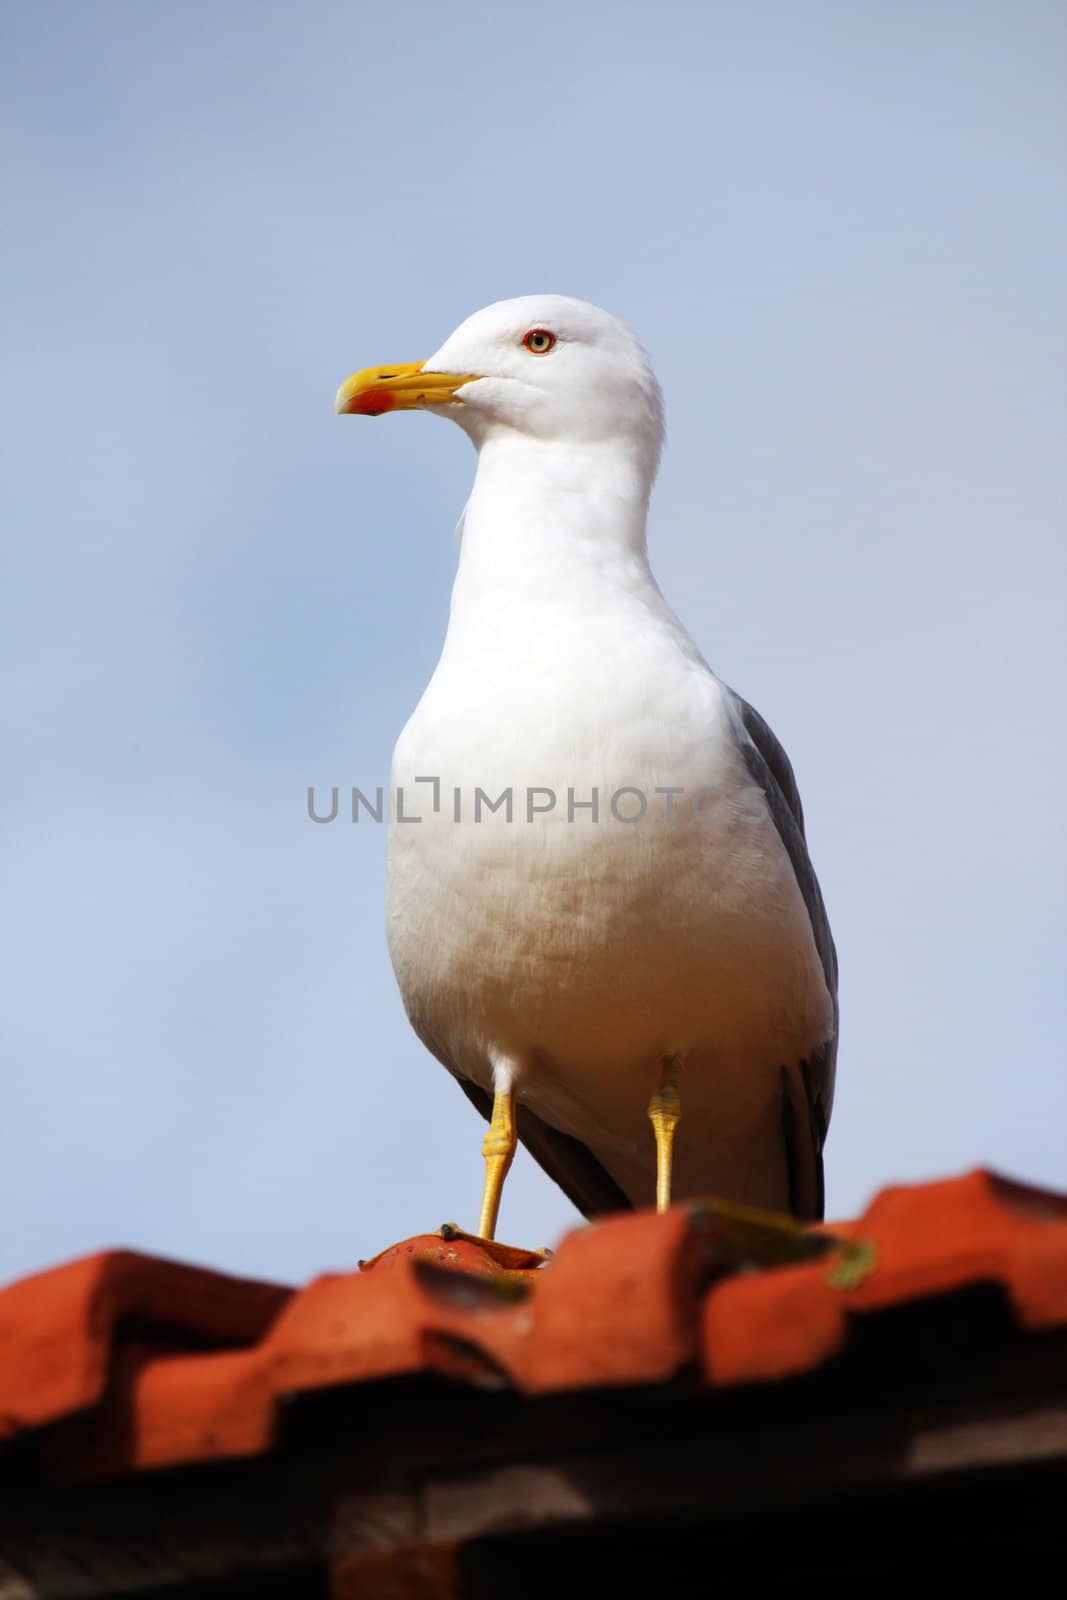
(546, 507)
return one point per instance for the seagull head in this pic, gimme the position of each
(543, 366)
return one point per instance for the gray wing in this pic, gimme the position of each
(807, 1086)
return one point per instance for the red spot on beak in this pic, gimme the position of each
(371, 403)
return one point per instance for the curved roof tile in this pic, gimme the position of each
(124, 1362)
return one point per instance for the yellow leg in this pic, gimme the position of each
(498, 1150)
(665, 1111)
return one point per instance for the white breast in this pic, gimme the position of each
(582, 948)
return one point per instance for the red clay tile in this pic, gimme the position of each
(58, 1328)
(148, 1363)
(925, 1240)
(345, 1330)
(621, 1301)
(162, 1409)
(451, 1247)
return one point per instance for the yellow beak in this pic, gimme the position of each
(397, 388)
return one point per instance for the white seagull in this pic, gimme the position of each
(606, 910)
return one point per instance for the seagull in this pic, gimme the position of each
(600, 906)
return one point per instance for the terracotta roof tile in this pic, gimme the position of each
(621, 1302)
(123, 1362)
(923, 1241)
(60, 1331)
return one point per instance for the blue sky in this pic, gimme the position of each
(840, 232)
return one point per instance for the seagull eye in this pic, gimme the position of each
(539, 341)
